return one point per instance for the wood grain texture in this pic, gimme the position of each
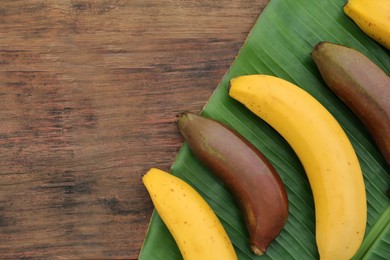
(89, 91)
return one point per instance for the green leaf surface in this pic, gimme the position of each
(280, 44)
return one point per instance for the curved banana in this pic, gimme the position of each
(196, 229)
(250, 177)
(373, 17)
(326, 154)
(361, 84)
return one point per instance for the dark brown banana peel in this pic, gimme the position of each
(361, 84)
(252, 180)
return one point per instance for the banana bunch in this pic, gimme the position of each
(314, 134)
(373, 17)
(325, 152)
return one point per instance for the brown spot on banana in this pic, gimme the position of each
(250, 177)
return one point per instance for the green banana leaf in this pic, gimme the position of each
(280, 44)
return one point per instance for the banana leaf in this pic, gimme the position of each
(280, 44)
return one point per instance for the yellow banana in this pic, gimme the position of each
(373, 17)
(326, 154)
(196, 229)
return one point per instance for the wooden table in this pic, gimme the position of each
(89, 91)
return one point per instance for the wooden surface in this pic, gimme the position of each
(89, 91)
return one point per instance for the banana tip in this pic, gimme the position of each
(346, 3)
(257, 250)
(317, 47)
(182, 114)
(178, 115)
(182, 119)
